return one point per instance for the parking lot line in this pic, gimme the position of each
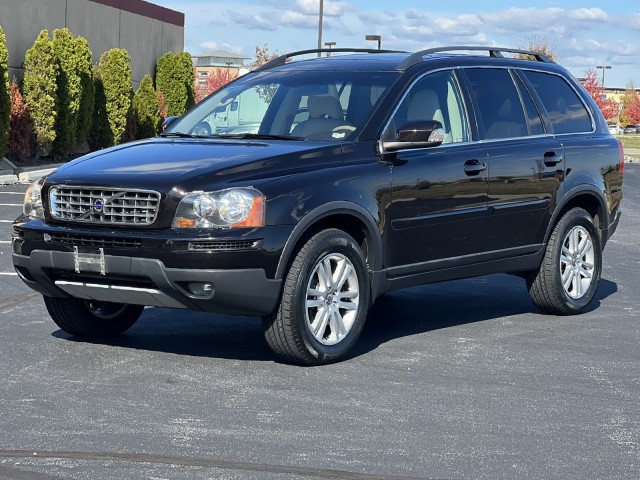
(11, 274)
(10, 204)
(5, 241)
(11, 193)
(6, 221)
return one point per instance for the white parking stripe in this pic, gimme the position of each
(5, 241)
(14, 274)
(6, 221)
(10, 204)
(11, 193)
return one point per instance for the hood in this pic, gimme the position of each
(188, 164)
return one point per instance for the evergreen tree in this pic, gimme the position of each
(175, 81)
(68, 92)
(100, 135)
(39, 89)
(146, 109)
(114, 71)
(187, 77)
(87, 90)
(5, 101)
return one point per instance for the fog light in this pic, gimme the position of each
(200, 289)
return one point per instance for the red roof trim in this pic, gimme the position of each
(146, 9)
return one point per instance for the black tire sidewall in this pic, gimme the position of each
(578, 217)
(328, 242)
(73, 316)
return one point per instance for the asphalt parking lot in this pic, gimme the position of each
(456, 380)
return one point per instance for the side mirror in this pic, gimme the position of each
(168, 122)
(418, 134)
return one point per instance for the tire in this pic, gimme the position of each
(570, 271)
(319, 318)
(91, 318)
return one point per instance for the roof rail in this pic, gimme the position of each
(493, 52)
(282, 59)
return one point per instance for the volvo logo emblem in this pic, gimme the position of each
(98, 204)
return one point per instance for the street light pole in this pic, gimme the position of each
(329, 44)
(603, 67)
(375, 38)
(320, 26)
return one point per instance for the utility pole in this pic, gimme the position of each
(320, 27)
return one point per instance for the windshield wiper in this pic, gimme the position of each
(257, 136)
(178, 135)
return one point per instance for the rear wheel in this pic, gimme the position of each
(568, 277)
(324, 301)
(92, 318)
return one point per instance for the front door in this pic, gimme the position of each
(439, 194)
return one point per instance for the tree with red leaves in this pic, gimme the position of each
(19, 125)
(217, 79)
(593, 85)
(630, 113)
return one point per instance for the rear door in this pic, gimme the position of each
(525, 161)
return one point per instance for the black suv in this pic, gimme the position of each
(306, 189)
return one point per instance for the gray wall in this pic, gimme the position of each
(105, 27)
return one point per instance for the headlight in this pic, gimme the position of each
(233, 208)
(32, 206)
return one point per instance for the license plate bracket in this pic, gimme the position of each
(89, 259)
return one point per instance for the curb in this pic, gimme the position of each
(10, 174)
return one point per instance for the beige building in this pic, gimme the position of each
(208, 63)
(147, 31)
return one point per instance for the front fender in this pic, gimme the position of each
(326, 210)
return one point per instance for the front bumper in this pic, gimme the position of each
(230, 273)
(145, 281)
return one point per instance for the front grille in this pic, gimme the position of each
(218, 246)
(93, 241)
(104, 206)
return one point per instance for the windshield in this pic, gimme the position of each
(305, 105)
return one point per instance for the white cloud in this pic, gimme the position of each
(330, 9)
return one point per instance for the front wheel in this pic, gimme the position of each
(92, 318)
(324, 301)
(568, 277)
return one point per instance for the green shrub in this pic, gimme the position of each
(187, 77)
(100, 135)
(175, 80)
(68, 92)
(146, 109)
(39, 89)
(5, 101)
(114, 71)
(87, 90)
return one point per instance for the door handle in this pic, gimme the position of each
(474, 167)
(551, 159)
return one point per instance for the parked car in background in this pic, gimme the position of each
(630, 129)
(615, 129)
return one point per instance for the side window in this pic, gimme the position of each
(533, 115)
(566, 111)
(433, 97)
(499, 103)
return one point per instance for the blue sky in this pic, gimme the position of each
(582, 34)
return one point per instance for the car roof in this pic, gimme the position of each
(386, 60)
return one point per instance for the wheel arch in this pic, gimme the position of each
(587, 197)
(349, 217)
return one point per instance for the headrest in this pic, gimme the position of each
(423, 105)
(321, 105)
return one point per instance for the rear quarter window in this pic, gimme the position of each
(566, 111)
